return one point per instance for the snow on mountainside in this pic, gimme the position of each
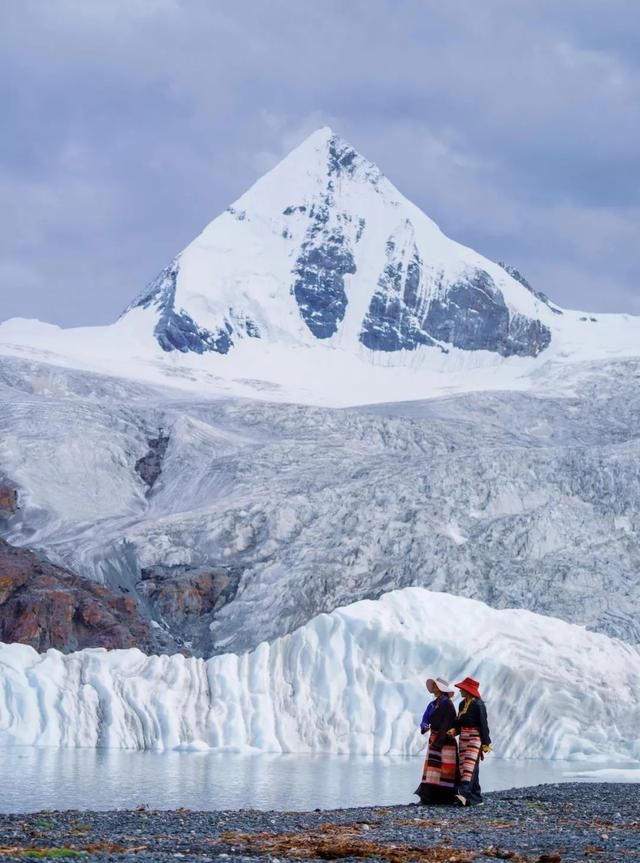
(323, 284)
(324, 247)
(348, 682)
(264, 515)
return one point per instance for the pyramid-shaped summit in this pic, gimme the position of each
(324, 249)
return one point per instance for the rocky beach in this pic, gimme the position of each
(544, 824)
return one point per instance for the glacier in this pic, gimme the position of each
(347, 682)
(517, 499)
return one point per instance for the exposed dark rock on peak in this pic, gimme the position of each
(396, 312)
(176, 330)
(517, 275)
(342, 157)
(319, 286)
(343, 160)
(289, 211)
(472, 315)
(326, 257)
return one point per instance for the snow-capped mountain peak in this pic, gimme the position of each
(324, 247)
(324, 284)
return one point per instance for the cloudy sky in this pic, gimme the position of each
(127, 125)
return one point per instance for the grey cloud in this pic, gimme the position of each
(131, 123)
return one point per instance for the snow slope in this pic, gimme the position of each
(348, 682)
(323, 284)
(517, 499)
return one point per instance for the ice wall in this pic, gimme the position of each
(347, 682)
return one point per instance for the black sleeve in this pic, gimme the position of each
(485, 737)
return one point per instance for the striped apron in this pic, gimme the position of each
(470, 745)
(440, 765)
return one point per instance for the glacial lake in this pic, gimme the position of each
(36, 779)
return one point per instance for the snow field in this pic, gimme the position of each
(513, 499)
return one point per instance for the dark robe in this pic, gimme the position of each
(441, 764)
(474, 722)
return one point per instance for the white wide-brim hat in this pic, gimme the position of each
(442, 685)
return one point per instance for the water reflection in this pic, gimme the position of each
(110, 779)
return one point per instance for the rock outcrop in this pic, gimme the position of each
(149, 467)
(184, 600)
(8, 501)
(45, 606)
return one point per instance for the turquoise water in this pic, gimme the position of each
(36, 779)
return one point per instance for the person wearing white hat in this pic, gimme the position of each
(441, 763)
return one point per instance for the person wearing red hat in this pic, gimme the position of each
(475, 741)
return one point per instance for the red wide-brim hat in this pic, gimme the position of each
(469, 685)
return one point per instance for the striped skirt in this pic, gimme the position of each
(441, 765)
(470, 746)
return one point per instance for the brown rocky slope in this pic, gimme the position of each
(45, 606)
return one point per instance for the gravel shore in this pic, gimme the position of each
(544, 824)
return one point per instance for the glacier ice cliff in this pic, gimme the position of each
(348, 682)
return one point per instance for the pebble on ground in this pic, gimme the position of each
(590, 823)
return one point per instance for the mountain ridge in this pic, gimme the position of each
(322, 284)
(309, 220)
